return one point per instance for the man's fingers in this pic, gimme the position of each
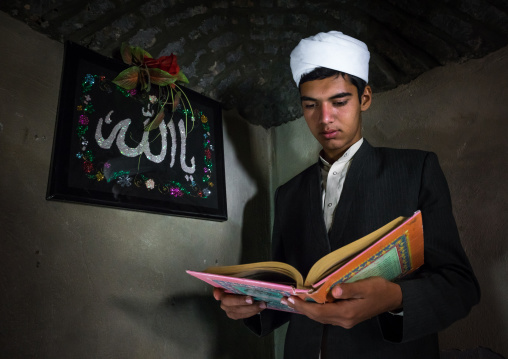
(236, 300)
(355, 290)
(241, 312)
(231, 299)
(354, 302)
(217, 293)
(325, 313)
(237, 306)
(337, 292)
(303, 307)
(347, 291)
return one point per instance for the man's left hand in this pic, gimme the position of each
(354, 302)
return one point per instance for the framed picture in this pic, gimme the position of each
(104, 155)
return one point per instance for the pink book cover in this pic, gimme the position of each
(270, 293)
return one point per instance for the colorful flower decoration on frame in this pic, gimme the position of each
(145, 71)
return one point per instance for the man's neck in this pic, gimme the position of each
(335, 157)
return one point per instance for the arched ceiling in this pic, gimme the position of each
(237, 51)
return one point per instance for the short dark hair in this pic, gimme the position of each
(321, 73)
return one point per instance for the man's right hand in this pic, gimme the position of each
(238, 306)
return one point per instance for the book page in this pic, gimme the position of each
(270, 271)
(332, 261)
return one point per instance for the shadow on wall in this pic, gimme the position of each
(256, 213)
(182, 319)
(176, 318)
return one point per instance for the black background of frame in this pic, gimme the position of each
(58, 184)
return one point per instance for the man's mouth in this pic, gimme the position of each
(329, 133)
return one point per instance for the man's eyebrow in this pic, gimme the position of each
(339, 95)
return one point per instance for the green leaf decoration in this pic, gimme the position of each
(156, 121)
(138, 55)
(176, 100)
(144, 79)
(126, 52)
(161, 77)
(128, 79)
(181, 77)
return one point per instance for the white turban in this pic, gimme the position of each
(332, 50)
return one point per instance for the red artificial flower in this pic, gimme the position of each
(165, 63)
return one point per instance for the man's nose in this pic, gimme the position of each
(326, 113)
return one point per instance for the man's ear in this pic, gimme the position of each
(366, 98)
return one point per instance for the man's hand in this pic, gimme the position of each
(238, 306)
(354, 302)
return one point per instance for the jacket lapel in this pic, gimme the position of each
(347, 196)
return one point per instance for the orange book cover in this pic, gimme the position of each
(394, 256)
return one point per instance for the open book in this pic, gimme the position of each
(391, 252)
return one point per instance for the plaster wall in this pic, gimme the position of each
(80, 281)
(458, 111)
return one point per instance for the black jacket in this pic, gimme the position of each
(381, 185)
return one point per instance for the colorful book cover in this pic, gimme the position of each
(270, 293)
(393, 256)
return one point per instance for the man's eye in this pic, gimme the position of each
(339, 104)
(309, 105)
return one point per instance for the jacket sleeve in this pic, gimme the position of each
(445, 288)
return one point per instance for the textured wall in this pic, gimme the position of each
(236, 51)
(81, 281)
(459, 112)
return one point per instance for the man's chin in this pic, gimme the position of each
(335, 148)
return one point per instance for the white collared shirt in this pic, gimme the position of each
(333, 177)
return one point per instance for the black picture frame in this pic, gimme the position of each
(102, 155)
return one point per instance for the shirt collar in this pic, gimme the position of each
(346, 156)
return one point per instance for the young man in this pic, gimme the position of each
(352, 190)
